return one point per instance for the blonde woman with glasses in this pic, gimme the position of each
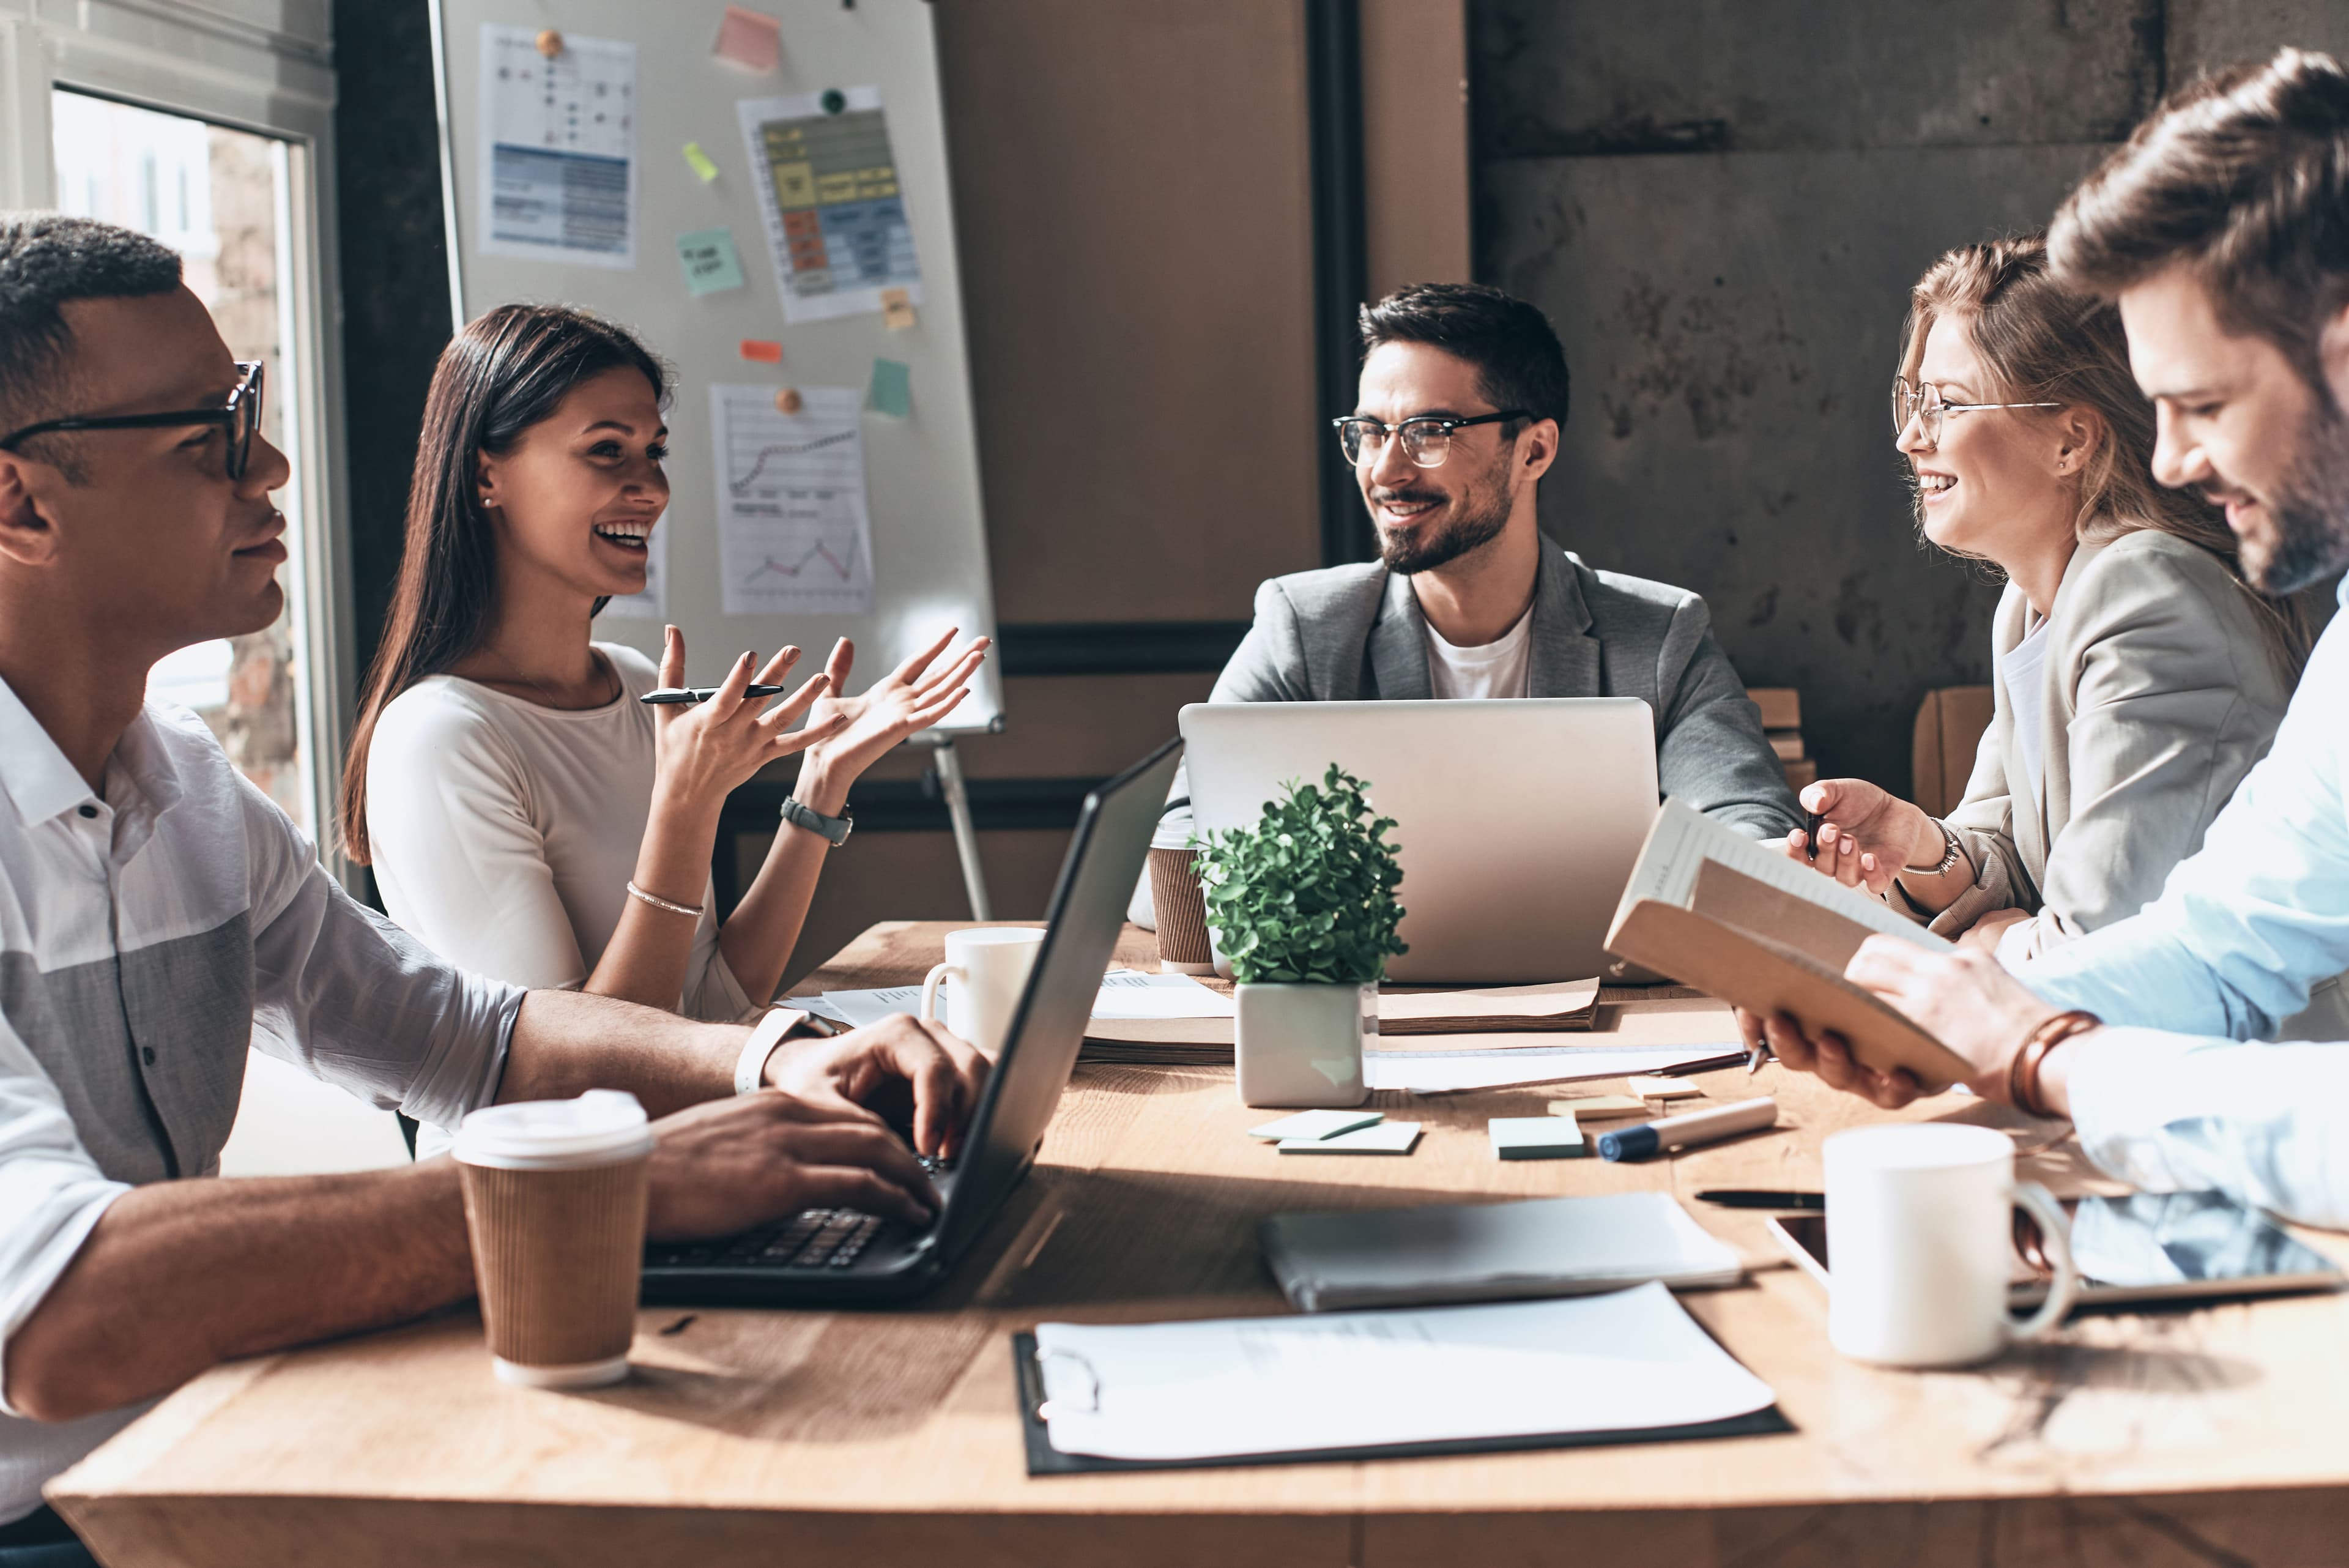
(2136, 679)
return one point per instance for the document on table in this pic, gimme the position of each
(558, 148)
(1450, 1072)
(1629, 1361)
(794, 534)
(1124, 993)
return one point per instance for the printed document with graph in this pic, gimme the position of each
(1741, 921)
(794, 534)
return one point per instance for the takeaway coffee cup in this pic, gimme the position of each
(555, 1203)
(1920, 1245)
(1180, 906)
(985, 969)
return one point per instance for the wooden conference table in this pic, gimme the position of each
(2219, 1435)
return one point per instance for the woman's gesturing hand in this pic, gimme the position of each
(909, 699)
(1865, 834)
(705, 749)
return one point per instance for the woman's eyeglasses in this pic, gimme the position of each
(1924, 403)
(241, 415)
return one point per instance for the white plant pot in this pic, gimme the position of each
(1302, 1045)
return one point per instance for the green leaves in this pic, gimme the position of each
(1307, 896)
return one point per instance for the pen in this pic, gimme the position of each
(1751, 1198)
(1687, 1132)
(668, 695)
(1811, 835)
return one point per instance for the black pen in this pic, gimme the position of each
(669, 695)
(1811, 835)
(1748, 1198)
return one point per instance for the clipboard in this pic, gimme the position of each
(1044, 1459)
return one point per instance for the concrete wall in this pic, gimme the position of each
(1722, 205)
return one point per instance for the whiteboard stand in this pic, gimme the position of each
(947, 765)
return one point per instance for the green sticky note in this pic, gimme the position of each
(1317, 1125)
(710, 263)
(893, 389)
(1536, 1138)
(699, 162)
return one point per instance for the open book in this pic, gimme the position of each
(1735, 918)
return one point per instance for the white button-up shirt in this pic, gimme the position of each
(148, 935)
(2242, 930)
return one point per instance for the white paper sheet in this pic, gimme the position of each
(1131, 993)
(835, 220)
(558, 149)
(1353, 1380)
(1450, 1072)
(1683, 839)
(795, 536)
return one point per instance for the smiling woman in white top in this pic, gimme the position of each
(2136, 678)
(525, 814)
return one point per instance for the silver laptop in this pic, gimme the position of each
(1517, 821)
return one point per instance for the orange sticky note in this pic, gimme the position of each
(897, 310)
(761, 350)
(749, 38)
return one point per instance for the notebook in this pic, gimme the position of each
(1490, 1251)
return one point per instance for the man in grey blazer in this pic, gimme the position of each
(1463, 392)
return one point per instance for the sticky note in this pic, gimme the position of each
(699, 162)
(1317, 1125)
(1600, 1107)
(711, 265)
(1536, 1138)
(1386, 1137)
(750, 39)
(1654, 1088)
(761, 350)
(896, 309)
(893, 389)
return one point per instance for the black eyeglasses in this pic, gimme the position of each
(1427, 439)
(241, 416)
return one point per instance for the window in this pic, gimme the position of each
(218, 196)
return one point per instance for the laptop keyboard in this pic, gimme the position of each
(812, 1238)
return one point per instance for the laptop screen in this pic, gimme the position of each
(1104, 860)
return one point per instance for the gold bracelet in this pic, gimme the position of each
(657, 902)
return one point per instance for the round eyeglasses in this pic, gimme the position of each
(1924, 403)
(1427, 439)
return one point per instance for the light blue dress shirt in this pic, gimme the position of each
(2242, 930)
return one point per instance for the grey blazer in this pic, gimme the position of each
(2160, 692)
(1355, 633)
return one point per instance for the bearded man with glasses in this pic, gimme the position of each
(1462, 394)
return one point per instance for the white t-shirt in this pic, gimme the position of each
(1501, 669)
(504, 832)
(2023, 671)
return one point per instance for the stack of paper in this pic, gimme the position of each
(1175, 1035)
(1159, 1020)
(1493, 1009)
(1451, 1072)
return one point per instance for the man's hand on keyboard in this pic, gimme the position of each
(904, 1070)
(730, 1164)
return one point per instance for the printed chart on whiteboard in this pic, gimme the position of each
(558, 175)
(793, 533)
(828, 189)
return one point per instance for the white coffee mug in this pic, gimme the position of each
(1920, 1245)
(986, 971)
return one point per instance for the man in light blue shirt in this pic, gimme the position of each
(2222, 230)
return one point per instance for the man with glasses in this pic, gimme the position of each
(158, 916)
(2222, 231)
(1462, 394)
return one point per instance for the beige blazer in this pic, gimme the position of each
(2161, 690)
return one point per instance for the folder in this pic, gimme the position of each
(1739, 920)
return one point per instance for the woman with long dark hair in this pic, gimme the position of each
(526, 816)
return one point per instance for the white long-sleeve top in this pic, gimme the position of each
(504, 832)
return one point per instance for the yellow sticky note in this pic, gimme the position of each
(1600, 1107)
(699, 162)
(1656, 1088)
(896, 309)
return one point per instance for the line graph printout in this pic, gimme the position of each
(558, 148)
(827, 185)
(794, 534)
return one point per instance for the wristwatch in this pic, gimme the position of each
(751, 1068)
(1951, 853)
(835, 829)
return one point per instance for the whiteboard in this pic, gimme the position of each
(928, 567)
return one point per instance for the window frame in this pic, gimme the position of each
(265, 67)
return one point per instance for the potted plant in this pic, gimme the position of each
(1303, 908)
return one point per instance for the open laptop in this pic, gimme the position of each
(841, 1257)
(1517, 823)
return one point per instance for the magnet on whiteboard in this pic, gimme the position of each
(788, 400)
(833, 100)
(550, 43)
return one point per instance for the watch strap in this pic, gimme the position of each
(834, 829)
(1951, 853)
(773, 1028)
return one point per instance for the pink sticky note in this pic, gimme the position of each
(749, 38)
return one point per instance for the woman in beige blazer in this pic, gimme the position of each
(2136, 678)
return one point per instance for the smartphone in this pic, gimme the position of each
(2144, 1247)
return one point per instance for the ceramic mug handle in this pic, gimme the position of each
(2055, 1237)
(940, 973)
